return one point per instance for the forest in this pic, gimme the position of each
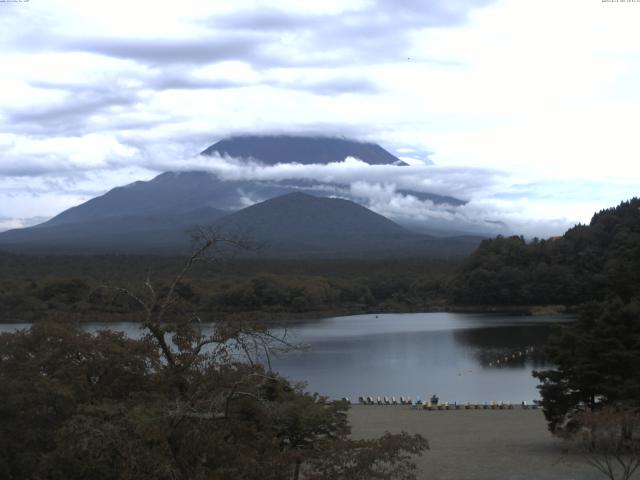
(589, 262)
(36, 287)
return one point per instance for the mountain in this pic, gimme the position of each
(273, 149)
(294, 225)
(156, 213)
(301, 223)
(168, 194)
(136, 233)
(180, 193)
(299, 214)
(306, 150)
(176, 193)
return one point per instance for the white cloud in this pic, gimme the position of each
(31, 156)
(527, 109)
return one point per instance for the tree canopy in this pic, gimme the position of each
(589, 262)
(176, 404)
(597, 361)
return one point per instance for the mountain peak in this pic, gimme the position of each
(274, 149)
(301, 222)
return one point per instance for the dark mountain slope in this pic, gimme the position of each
(167, 194)
(173, 193)
(297, 149)
(295, 225)
(298, 224)
(143, 233)
(300, 215)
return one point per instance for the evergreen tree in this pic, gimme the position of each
(597, 362)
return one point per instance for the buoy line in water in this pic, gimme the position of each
(502, 360)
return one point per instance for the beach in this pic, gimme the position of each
(477, 444)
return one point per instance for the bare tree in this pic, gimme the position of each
(177, 330)
(223, 398)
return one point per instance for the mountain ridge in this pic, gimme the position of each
(158, 212)
(173, 192)
(293, 225)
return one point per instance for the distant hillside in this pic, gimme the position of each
(301, 225)
(589, 262)
(293, 225)
(271, 150)
(164, 208)
(175, 193)
(141, 233)
(166, 195)
(297, 222)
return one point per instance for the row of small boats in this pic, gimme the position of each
(429, 405)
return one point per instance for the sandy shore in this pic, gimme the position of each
(477, 444)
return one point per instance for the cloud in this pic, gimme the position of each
(11, 223)
(395, 191)
(495, 201)
(138, 87)
(379, 31)
(74, 155)
(262, 36)
(71, 112)
(330, 85)
(161, 51)
(460, 182)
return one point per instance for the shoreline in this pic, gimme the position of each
(518, 310)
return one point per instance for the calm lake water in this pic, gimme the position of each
(459, 357)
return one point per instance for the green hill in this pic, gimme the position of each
(589, 262)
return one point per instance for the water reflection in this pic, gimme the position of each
(453, 355)
(460, 357)
(513, 346)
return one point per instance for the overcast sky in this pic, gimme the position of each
(530, 110)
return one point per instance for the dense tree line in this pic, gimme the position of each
(589, 262)
(79, 287)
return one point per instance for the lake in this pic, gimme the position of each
(459, 357)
